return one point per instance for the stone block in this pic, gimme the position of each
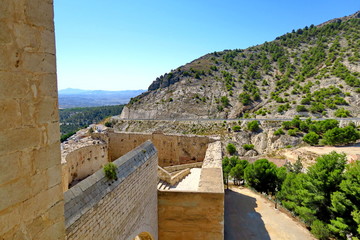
(9, 167)
(11, 109)
(40, 13)
(53, 176)
(46, 156)
(19, 139)
(47, 85)
(14, 192)
(13, 85)
(38, 62)
(47, 110)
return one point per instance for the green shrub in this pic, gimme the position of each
(301, 108)
(279, 132)
(230, 148)
(248, 147)
(253, 126)
(293, 132)
(236, 128)
(342, 113)
(311, 138)
(110, 171)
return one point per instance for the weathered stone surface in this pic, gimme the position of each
(31, 204)
(97, 208)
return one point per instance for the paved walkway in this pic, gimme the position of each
(249, 216)
(190, 182)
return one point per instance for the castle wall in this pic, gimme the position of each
(83, 162)
(187, 215)
(191, 215)
(31, 203)
(172, 149)
(97, 208)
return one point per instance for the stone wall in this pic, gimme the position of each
(172, 149)
(31, 203)
(83, 162)
(97, 208)
(191, 215)
(188, 215)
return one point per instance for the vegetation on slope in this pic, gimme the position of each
(313, 70)
(73, 119)
(326, 197)
(325, 132)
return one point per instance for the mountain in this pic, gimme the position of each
(70, 97)
(314, 71)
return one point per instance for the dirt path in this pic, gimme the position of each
(249, 216)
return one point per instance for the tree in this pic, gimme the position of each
(311, 138)
(230, 148)
(237, 172)
(345, 203)
(248, 147)
(261, 175)
(338, 135)
(253, 126)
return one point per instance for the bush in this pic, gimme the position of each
(301, 108)
(236, 128)
(248, 147)
(311, 138)
(230, 148)
(110, 171)
(342, 113)
(279, 132)
(253, 126)
(293, 132)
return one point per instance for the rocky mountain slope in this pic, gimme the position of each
(314, 71)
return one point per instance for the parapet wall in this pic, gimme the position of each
(97, 208)
(172, 149)
(83, 162)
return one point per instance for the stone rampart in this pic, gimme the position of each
(188, 215)
(97, 208)
(31, 198)
(173, 149)
(83, 162)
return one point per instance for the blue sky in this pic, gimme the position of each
(126, 44)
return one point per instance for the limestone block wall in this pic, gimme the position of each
(198, 214)
(83, 162)
(31, 202)
(191, 215)
(97, 208)
(172, 149)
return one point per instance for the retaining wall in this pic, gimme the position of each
(172, 149)
(97, 208)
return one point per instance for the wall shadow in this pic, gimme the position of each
(241, 219)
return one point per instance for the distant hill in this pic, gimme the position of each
(312, 72)
(71, 97)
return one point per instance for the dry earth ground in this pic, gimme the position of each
(250, 216)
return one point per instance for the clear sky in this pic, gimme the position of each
(126, 44)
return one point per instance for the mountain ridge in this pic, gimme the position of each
(312, 71)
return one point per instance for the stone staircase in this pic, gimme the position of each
(162, 185)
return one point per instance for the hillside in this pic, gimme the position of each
(73, 119)
(314, 71)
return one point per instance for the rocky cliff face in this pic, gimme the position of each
(314, 71)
